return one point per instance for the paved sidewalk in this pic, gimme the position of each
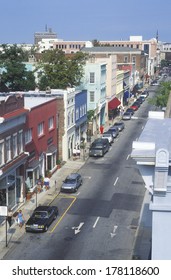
(14, 232)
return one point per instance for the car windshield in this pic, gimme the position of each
(106, 135)
(70, 181)
(40, 214)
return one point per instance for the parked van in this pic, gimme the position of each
(99, 147)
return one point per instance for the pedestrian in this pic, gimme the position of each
(78, 151)
(20, 219)
(74, 152)
(55, 185)
(9, 217)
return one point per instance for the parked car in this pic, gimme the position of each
(108, 135)
(142, 98)
(145, 94)
(72, 183)
(130, 110)
(99, 147)
(114, 130)
(135, 106)
(120, 125)
(41, 218)
(154, 83)
(126, 116)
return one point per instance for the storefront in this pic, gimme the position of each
(113, 108)
(12, 188)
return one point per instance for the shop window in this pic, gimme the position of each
(3, 200)
(11, 196)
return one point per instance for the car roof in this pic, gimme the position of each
(118, 123)
(107, 133)
(73, 176)
(42, 208)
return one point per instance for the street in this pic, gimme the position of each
(101, 220)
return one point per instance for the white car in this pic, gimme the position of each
(107, 135)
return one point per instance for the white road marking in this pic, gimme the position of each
(78, 229)
(78, 193)
(116, 181)
(112, 234)
(86, 177)
(142, 127)
(96, 222)
(127, 157)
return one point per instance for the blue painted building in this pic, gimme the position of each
(80, 115)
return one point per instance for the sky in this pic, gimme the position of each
(85, 20)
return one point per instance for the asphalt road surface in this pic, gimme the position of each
(100, 221)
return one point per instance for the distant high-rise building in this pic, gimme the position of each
(47, 34)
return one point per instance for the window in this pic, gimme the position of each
(14, 145)
(51, 123)
(69, 118)
(77, 114)
(92, 77)
(20, 142)
(28, 136)
(91, 96)
(72, 116)
(40, 129)
(8, 148)
(125, 59)
(81, 111)
(1, 153)
(133, 59)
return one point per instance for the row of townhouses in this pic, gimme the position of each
(39, 129)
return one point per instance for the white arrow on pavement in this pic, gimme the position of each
(112, 234)
(78, 229)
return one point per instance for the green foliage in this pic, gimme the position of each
(162, 95)
(90, 115)
(59, 71)
(14, 75)
(164, 63)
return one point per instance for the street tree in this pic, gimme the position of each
(56, 70)
(162, 95)
(14, 75)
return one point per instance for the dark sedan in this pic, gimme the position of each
(126, 116)
(130, 110)
(120, 125)
(41, 218)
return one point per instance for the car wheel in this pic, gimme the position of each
(46, 228)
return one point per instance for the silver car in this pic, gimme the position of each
(126, 116)
(108, 135)
(72, 183)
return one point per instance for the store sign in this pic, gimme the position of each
(3, 210)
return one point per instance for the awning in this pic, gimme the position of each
(51, 150)
(114, 103)
(33, 165)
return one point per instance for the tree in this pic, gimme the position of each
(162, 95)
(58, 71)
(14, 76)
